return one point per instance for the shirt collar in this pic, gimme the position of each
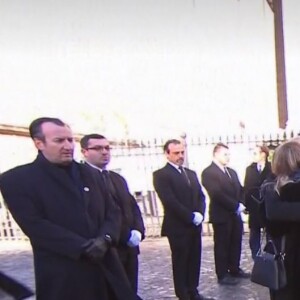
(262, 166)
(220, 166)
(174, 166)
(95, 167)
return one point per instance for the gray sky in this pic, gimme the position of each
(157, 66)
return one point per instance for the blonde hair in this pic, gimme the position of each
(286, 161)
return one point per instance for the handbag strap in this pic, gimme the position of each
(270, 241)
(261, 247)
(282, 248)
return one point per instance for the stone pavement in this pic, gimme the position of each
(155, 271)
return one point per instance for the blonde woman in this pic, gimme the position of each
(282, 200)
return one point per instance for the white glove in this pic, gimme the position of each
(135, 238)
(240, 209)
(198, 218)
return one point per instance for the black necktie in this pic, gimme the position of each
(227, 172)
(184, 175)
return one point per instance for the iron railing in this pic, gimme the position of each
(136, 161)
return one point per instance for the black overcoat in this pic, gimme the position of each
(252, 184)
(59, 216)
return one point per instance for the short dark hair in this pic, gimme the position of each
(35, 128)
(219, 146)
(84, 142)
(168, 142)
(264, 149)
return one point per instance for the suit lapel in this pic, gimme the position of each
(115, 183)
(121, 195)
(222, 175)
(173, 171)
(179, 177)
(219, 171)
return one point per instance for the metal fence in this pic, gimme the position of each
(136, 161)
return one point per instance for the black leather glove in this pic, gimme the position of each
(95, 249)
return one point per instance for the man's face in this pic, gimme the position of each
(97, 152)
(58, 144)
(176, 154)
(222, 155)
(258, 155)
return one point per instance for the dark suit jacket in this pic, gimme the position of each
(179, 199)
(224, 192)
(131, 214)
(252, 183)
(59, 213)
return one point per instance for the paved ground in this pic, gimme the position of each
(155, 271)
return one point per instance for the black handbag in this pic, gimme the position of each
(268, 269)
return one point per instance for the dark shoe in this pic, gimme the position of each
(201, 297)
(240, 274)
(14, 287)
(228, 280)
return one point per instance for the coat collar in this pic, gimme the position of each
(173, 166)
(68, 178)
(267, 167)
(217, 167)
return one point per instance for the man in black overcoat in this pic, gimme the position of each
(184, 206)
(226, 204)
(60, 206)
(256, 174)
(97, 153)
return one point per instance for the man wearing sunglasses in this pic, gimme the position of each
(97, 153)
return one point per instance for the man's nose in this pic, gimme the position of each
(68, 144)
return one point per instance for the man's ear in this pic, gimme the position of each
(83, 151)
(39, 144)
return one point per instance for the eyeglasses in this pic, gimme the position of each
(100, 148)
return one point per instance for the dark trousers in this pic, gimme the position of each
(186, 258)
(228, 245)
(254, 240)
